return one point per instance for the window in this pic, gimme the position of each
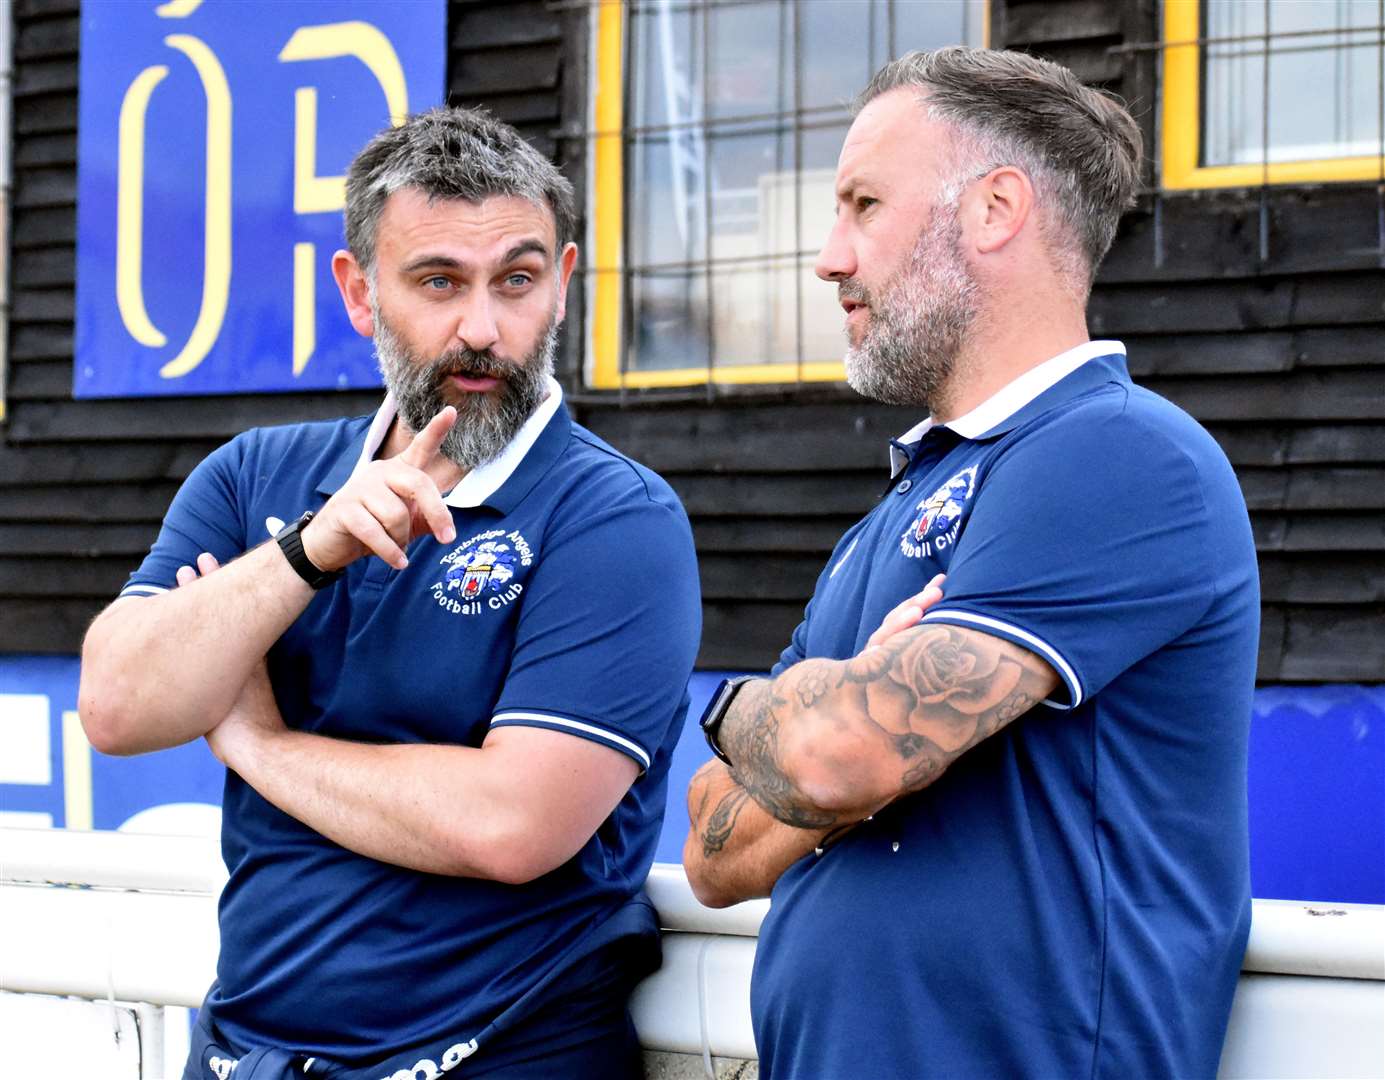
(1272, 91)
(717, 127)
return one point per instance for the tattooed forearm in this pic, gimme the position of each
(722, 822)
(864, 731)
(750, 735)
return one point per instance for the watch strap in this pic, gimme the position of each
(291, 544)
(716, 711)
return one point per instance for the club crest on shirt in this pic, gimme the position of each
(479, 572)
(935, 527)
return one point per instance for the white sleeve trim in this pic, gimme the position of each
(1038, 645)
(632, 747)
(142, 590)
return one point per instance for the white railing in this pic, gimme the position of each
(1311, 1000)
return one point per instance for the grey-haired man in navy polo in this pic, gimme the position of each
(1005, 832)
(447, 691)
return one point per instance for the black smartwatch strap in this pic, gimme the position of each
(291, 544)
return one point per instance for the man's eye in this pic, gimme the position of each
(864, 202)
(517, 281)
(437, 282)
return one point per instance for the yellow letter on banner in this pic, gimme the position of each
(313, 194)
(216, 274)
(129, 215)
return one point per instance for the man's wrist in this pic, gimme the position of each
(297, 550)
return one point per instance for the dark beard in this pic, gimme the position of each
(486, 423)
(919, 320)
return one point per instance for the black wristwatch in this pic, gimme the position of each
(291, 544)
(716, 712)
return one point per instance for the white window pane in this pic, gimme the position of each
(1322, 87)
(669, 321)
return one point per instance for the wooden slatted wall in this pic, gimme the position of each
(1282, 358)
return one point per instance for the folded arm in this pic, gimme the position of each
(830, 742)
(511, 810)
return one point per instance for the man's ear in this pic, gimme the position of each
(355, 292)
(1002, 201)
(566, 262)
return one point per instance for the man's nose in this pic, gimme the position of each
(476, 327)
(836, 260)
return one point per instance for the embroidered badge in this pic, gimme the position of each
(936, 526)
(479, 572)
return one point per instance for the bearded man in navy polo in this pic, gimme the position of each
(1005, 832)
(443, 652)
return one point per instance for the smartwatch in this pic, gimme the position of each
(716, 712)
(291, 544)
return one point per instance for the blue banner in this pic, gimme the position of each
(213, 139)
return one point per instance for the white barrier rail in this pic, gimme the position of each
(133, 917)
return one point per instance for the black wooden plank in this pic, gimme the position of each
(46, 113)
(853, 435)
(43, 39)
(41, 9)
(1341, 644)
(1092, 61)
(1061, 20)
(41, 381)
(45, 267)
(779, 577)
(45, 77)
(1301, 395)
(59, 148)
(1315, 444)
(752, 536)
(1271, 653)
(179, 418)
(42, 227)
(788, 496)
(42, 305)
(94, 463)
(54, 624)
(1342, 578)
(503, 71)
(528, 108)
(1203, 235)
(64, 576)
(1258, 304)
(41, 341)
(1319, 532)
(87, 503)
(1310, 488)
(77, 539)
(746, 637)
(45, 187)
(518, 23)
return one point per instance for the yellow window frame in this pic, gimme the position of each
(608, 257)
(1181, 135)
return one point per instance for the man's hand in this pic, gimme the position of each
(908, 613)
(387, 504)
(253, 719)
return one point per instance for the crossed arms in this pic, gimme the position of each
(830, 742)
(188, 663)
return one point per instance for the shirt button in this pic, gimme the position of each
(904, 486)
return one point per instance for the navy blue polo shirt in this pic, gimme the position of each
(1072, 897)
(568, 601)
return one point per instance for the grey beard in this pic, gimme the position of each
(486, 424)
(919, 321)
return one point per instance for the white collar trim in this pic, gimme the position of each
(1011, 397)
(481, 483)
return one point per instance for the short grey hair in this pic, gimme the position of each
(450, 153)
(1079, 146)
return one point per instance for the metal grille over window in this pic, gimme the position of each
(1272, 92)
(731, 118)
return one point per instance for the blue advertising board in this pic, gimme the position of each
(213, 139)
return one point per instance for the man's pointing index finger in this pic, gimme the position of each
(424, 448)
